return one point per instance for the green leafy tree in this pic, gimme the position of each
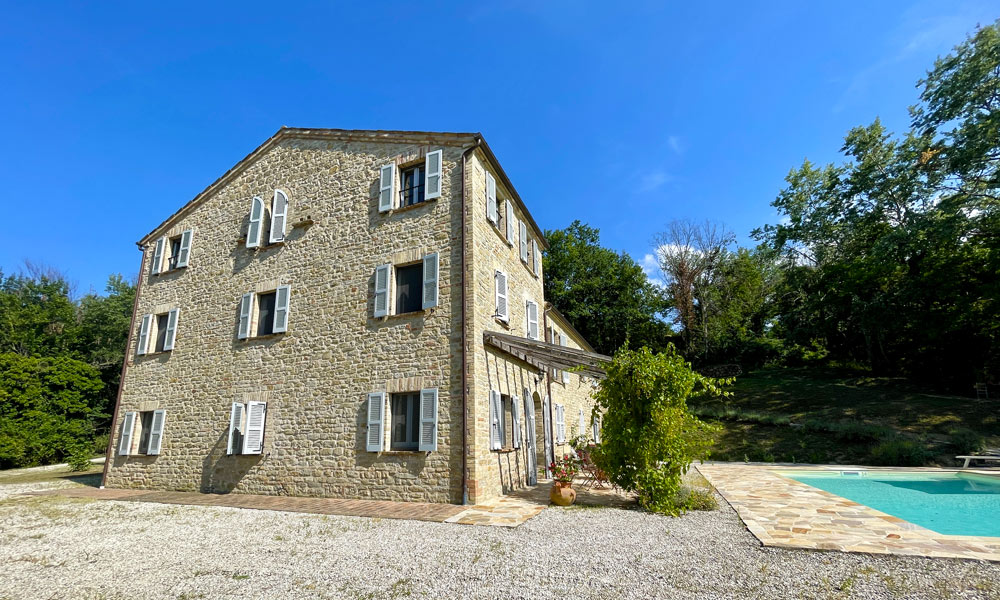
(103, 333)
(37, 316)
(606, 295)
(648, 436)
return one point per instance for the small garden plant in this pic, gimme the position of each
(565, 469)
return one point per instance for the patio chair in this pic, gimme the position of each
(988, 455)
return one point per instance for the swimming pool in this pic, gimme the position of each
(946, 502)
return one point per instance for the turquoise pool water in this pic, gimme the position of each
(948, 503)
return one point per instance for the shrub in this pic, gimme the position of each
(79, 458)
(101, 444)
(966, 441)
(649, 436)
(694, 498)
(899, 453)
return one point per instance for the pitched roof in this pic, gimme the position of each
(551, 309)
(425, 137)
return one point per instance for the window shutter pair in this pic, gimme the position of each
(155, 433)
(491, 199)
(146, 333)
(510, 222)
(383, 285)
(515, 417)
(496, 442)
(246, 428)
(183, 253)
(524, 241)
(428, 412)
(279, 218)
(282, 303)
(503, 311)
(433, 164)
(531, 318)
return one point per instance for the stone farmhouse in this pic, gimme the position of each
(352, 314)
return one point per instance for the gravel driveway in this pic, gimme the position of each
(53, 547)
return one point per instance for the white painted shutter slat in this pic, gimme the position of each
(185, 252)
(281, 302)
(515, 417)
(235, 429)
(256, 217)
(279, 212)
(246, 307)
(158, 255)
(536, 263)
(376, 411)
(501, 296)
(382, 290)
(143, 345)
(495, 433)
(253, 440)
(387, 187)
(168, 339)
(125, 439)
(428, 420)
(430, 281)
(523, 230)
(156, 432)
(491, 198)
(510, 222)
(432, 175)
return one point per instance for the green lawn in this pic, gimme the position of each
(830, 416)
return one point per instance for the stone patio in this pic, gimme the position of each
(785, 513)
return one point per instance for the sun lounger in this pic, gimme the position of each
(994, 456)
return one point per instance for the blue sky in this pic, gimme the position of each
(116, 114)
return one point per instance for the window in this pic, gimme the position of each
(150, 434)
(175, 251)
(406, 288)
(405, 424)
(274, 220)
(413, 186)
(246, 427)
(264, 313)
(160, 330)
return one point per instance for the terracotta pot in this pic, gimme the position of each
(562, 494)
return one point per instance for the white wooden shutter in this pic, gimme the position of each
(531, 319)
(432, 175)
(125, 439)
(235, 429)
(156, 432)
(582, 424)
(561, 423)
(282, 298)
(253, 440)
(503, 311)
(523, 230)
(143, 345)
(491, 198)
(246, 309)
(536, 263)
(428, 420)
(387, 187)
(515, 417)
(168, 339)
(596, 426)
(376, 410)
(256, 217)
(565, 374)
(430, 281)
(495, 442)
(279, 212)
(510, 222)
(185, 251)
(382, 290)
(158, 255)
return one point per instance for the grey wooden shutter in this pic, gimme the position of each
(495, 432)
(125, 438)
(491, 198)
(256, 217)
(565, 374)
(382, 290)
(432, 175)
(428, 420)
(143, 344)
(509, 204)
(279, 213)
(531, 319)
(246, 308)
(547, 432)
(596, 426)
(515, 417)
(158, 255)
(503, 310)
(376, 411)
(387, 187)
(185, 251)
(282, 298)
(156, 431)
(430, 281)
(523, 230)
(537, 261)
(253, 440)
(581, 424)
(168, 339)
(235, 429)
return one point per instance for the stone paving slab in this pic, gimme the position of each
(785, 513)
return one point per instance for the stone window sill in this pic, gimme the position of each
(403, 452)
(170, 271)
(263, 337)
(506, 450)
(157, 353)
(401, 209)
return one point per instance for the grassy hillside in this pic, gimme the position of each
(830, 416)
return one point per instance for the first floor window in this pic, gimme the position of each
(148, 426)
(409, 285)
(158, 331)
(146, 422)
(161, 331)
(265, 313)
(246, 428)
(408, 288)
(405, 421)
(413, 186)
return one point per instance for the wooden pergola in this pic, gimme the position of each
(542, 355)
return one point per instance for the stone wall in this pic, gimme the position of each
(317, 375)
(572, 390)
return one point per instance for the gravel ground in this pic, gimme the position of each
(53, 547)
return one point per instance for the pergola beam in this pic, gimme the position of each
(545, 355)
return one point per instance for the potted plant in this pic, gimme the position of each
(563, 471)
